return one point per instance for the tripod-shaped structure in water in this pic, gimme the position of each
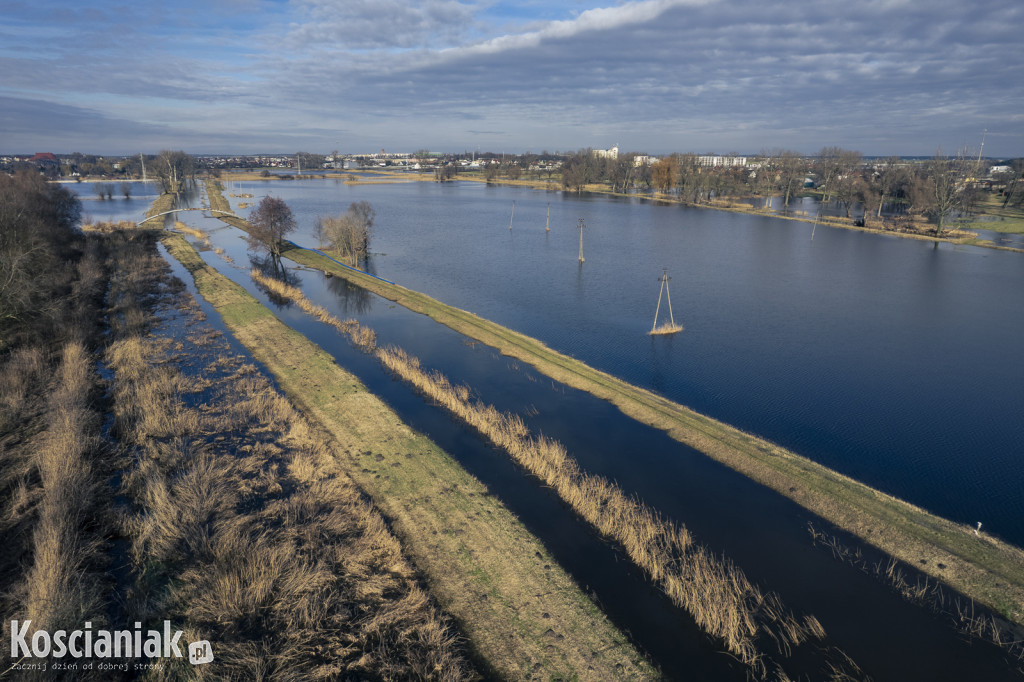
(669, 327)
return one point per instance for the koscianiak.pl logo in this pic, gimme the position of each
(35, 650)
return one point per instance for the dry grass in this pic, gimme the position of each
(61, 591)
(53, 511)
(363, 337)
(193, 232)
(666, 328)
(241, 527)
(55, 518)
(106, 227)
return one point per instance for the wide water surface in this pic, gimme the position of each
(895, 361)
(764, 533)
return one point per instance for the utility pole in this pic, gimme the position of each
(581, 240)
(143, 160)
(977, 168)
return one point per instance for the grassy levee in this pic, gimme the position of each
(981, 567)
(522, 613)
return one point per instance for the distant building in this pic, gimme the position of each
(721, 161)
(612, 153)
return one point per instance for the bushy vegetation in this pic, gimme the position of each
(38, 241)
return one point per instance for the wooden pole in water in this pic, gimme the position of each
(581, 240)
(513, 214)
(547, 222)
(668, 297)
(657, 309)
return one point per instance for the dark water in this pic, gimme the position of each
(895, 361)
(764, 533)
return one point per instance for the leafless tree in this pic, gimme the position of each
(174, 170)
(792, 171)
(946, 179)
(271, 220)
(349, 234)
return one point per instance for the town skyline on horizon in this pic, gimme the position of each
(883, 77)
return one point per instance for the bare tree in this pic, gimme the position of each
(792, 171)
(848, 181)
(270, 221)
(126, 190)
(766, 176)
(663, 174)
(828, 168)
(946, 178)
(37, 228)
(349, 234)
(174, 170)
(885, 180)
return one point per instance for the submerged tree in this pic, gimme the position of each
(349, 234)
(174, 169)
(271, 220)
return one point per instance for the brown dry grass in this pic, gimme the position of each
(53, 511)
(241, 526)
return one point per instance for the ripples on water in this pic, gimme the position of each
(895, 361)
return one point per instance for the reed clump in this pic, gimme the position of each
(666, 328)
(362, 337)
(712, 589)
(108, 226)
(193, 231)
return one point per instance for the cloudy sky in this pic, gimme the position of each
(250, 76)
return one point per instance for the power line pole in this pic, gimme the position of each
(581, 240)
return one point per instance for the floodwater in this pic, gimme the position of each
(763, 533)
(892, 360)
(117, 208)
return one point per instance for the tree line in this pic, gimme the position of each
(940, 188)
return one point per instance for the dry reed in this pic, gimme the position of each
(712, 589)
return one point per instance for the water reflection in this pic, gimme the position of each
(353, 300)
(271, 266)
